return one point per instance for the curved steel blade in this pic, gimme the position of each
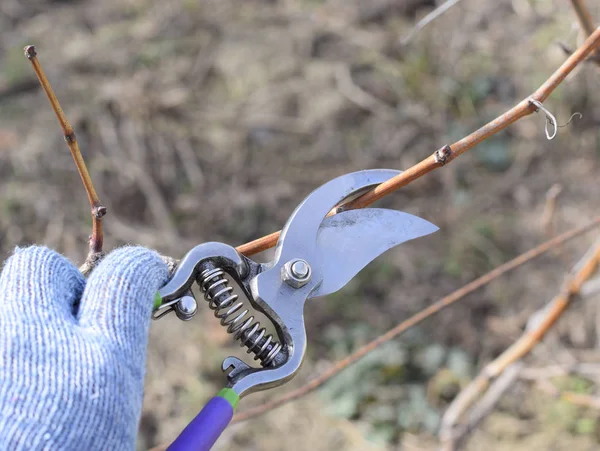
(299, 235)
(348, 241)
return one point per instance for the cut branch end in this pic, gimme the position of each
(30, 52)
(98, 210)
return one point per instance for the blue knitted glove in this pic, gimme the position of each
(72, 353)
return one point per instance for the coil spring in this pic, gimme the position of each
(223, 302)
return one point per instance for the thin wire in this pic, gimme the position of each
(551, 120)
(576, 113)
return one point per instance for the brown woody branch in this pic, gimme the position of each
(447, 153)
(487, 403)
(452, 434)
(417, 319)
(98, 210)
(586, 23)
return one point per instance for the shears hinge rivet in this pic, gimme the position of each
(296, 273)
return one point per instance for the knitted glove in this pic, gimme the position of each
(72, 353)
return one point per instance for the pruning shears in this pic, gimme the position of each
(317, 254)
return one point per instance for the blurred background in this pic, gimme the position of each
(210, 120)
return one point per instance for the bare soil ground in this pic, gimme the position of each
(210, 120)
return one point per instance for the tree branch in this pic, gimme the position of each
(487, 403)
(98, 210)
(586, 22)
(416, 319)
(448, 153)
(451, 435)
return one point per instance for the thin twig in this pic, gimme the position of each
(437, 12)
(586, 22)
(451, 435)
(448, 153)
(416, 319)
(98, 210)
(489, 400)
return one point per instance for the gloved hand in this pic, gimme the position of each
(72, 353)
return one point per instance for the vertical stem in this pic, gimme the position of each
(586, 22)
(585, 18)
(98, 210)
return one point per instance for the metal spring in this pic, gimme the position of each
(223, 301)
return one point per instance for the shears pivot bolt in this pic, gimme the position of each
(296, 273)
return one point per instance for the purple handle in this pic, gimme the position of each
(204, 430)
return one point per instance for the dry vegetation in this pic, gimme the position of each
(210, 120)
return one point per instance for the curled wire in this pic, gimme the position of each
(551, 120)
